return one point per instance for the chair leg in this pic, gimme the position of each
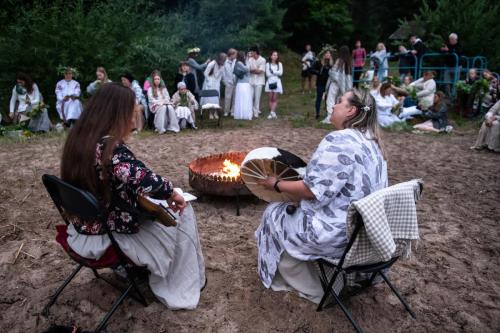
(372, 278)
(395, 291)
(328, 288)
(141, 297)
(347, 312)
(45, 311)
(115, 306)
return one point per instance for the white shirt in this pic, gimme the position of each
(425, 91)
(259, 63)
(228, 76)
(34, 99)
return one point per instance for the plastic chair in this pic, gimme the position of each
(74, 202)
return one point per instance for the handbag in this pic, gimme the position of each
(272, 85)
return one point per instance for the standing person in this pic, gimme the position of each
(229, 81)
(358, 58)
(339, 80)
(101, 78)
(68, 93)
(128, 81)
(196, 69)
(243, 106)
(96, 159)
(406, 62)
(308, 58)
(321, 70)
(379, 58)
(27, 96)
(418, 49)
(257, 65)
(451, 48)
(288, 243)
(185, 76)
(213, 75)
(274, 71)
(159, 101)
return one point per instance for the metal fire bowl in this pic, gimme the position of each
(200, 177)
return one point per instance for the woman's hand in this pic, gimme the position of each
(177, 203)
(268, 183)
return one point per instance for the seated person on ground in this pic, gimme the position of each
(386, 104)
(489, 134)
(347, 166)
(437, 115)
(160, 105)
(96, 159)
(185, 105)
(426, 88)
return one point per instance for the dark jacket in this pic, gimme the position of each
(420, 47)
(439, 118)
(406, 62)
(451, 60)
(321, 72)
(188, 80)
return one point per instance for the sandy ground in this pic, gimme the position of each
(452, 282)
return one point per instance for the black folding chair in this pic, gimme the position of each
(337, 270)
(71, 201)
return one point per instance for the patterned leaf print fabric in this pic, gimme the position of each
(346, 167)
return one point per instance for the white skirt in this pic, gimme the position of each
(172, 255)
(243, 102)
(72, 109)
(183, 112)
(279, 88)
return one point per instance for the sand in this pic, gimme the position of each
(452, 282)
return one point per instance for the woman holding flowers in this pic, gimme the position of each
(26, 103)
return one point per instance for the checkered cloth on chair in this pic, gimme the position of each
(389, 215)
(390, 228)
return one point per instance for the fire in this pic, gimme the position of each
(230, 169)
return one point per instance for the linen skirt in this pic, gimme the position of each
(172, 254)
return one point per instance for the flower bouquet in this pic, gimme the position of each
(37, 111)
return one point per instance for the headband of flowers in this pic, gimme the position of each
(61, 70)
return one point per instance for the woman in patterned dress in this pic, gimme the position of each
(347, 166)
(96, 159)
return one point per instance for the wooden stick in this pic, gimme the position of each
(26, 197)
(29, 255)
(17, 253)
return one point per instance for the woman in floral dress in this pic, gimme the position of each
(96, 159)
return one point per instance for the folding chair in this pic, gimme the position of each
(336, 270)
(216, 111)
(71, 201)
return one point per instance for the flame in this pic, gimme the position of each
(230, 169)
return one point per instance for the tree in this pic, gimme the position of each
(475, 22)
(317, 22)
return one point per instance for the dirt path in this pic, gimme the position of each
(452, 282)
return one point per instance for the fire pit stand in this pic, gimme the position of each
(207, 177)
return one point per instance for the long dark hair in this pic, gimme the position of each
(344, 60)
(108, 112)
(28, 81)
(241, 57)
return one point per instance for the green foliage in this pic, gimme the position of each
(317, 22)
(39, 36)
(475, 22)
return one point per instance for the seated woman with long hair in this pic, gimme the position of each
(437, 116)
(347, 166)
(96, 159)
(160, 105)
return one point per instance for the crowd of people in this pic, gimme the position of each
(244, 76)
(401, 98)
(233, 82)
